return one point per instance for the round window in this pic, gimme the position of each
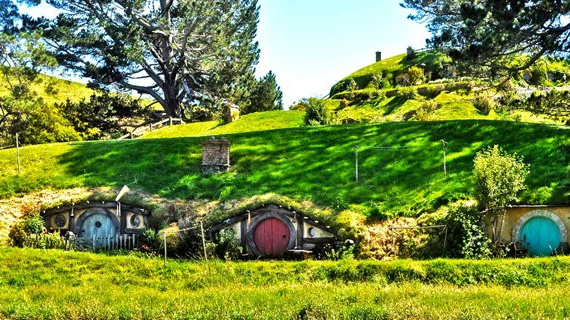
(135, 221)
(312, 232)
(60, 221)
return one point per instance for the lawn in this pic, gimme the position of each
(49, 284)
(400, 165)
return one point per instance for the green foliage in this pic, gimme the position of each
(227, 245)
(317, 112)
(499, 177)
(150, 241)
(24, 232)
(375, 81)
(407, 93)
(34, 225)
(484, 104)
(466, 235)
(193, 60)
(102, 115)
(484, 33)
(415, 75)
(265, 96)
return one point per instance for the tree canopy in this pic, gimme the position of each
(489, 32)
(178, 52)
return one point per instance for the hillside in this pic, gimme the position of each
(400, 164)
(426, 86)
(52, 89)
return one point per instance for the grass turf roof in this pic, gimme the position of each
(315, 163)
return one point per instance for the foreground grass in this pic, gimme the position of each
(58, 285)
(400, 165)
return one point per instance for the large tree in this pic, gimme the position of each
(490, 32)
(177, 51)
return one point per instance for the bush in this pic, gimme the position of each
(227, 246)
(317, 113)
(499, 176)
(425, 110)
(407, 93)
(483, 104)
(375, 81)
(466, 234)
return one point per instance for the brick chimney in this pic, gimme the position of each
(378, 56)
(215, 155)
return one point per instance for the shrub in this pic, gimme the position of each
(499, 176)
(375, 81)
(466, 234)
(317, 113)
(407, 93)
(227, 246)
(425, 110)
(415, 75)
(483, 104)
(434, 90)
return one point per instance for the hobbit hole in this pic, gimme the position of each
(272, 232)
(109, 224)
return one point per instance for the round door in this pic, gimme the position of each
(541, 236)
(272, 237)
(98, 225)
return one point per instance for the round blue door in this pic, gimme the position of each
(540, 235)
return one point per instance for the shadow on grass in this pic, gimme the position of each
(400, 164)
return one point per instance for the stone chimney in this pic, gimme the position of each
(378, 56)
(215, 155)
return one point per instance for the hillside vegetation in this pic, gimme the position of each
(54, 90)
(427, 86)
(50, 284)
(400, 164)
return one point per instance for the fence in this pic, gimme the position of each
(142, 129)
(123, 242)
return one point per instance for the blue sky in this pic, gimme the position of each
(311, 44)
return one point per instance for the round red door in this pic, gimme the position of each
(272, 237)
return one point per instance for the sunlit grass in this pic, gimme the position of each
(65, 285)
(400, 164)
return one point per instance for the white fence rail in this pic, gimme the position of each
(118, 242)
(142, 129)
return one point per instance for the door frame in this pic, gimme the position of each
(258, 219)
(541, 213)
(93, 211)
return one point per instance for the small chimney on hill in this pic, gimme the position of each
(378, 56)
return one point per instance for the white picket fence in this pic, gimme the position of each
(139, 131)
(118, 242)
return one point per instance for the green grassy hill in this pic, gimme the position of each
(52, 89)
(400, 164)
(381, 91)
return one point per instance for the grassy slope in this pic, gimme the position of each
(51, 284)
(52, 89)
(315, 163)
(258, 121)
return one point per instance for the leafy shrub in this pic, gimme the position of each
(150, 241)
(301, 105)
(415, 75)
(425, 110)
(483, 104)
(317, 113)
(432, 91)
(499, 176)
(227, 246)
(44, 241)
(466, 234)
(375, 81)
(407, 93)
(22, 230)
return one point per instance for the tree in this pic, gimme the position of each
(178, 52)
(499, 177)
(265, 96)
(490, 32)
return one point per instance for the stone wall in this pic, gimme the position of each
(215, 155)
